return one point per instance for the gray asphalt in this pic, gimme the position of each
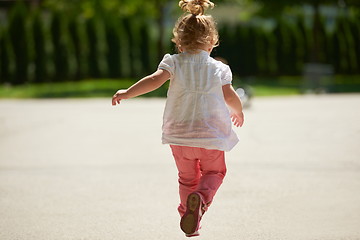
(84, 170)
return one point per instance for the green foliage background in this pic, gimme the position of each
(73, 40)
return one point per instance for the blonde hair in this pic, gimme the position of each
(194, 30)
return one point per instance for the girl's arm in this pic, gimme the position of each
(232, 99)
(145, 85)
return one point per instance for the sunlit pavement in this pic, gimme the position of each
(84, 170)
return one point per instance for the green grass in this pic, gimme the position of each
(73, 89)
(264, 90)
(107, 87)
(88, 88)
(292, 85)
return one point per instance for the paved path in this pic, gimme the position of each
(84, 170)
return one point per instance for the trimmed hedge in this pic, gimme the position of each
(38, 45)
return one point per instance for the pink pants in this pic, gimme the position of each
(201, 170)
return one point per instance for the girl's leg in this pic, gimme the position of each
(213, 171)
(189, 173)
(201, 170)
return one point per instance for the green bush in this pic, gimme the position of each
(113, 43)
(19, 39)
(45, 44)
(78, 45)
(93, 45)
(5, 57)
(39, 48)
(132, 33)
(60, 47)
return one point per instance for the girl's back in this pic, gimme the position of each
(196, 113)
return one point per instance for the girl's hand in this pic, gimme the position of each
(118, 96)
(237, 119)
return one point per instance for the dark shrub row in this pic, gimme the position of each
(39, 46)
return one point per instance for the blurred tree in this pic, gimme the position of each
(18, 37)
(228, 47)
(156, 9)
(61, 51)
(5, 57)
(145, 47)
(78, 43)
(146, 10)
(39, 48)
(346, 47)
(74, 36)
(355, 29)
(275, 8)
(159, 8)
(113, 53)
(93, 42)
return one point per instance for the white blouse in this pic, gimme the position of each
(196, 114)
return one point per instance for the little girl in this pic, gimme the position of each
(197, 120)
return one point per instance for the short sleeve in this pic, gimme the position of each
(226, 76)
(167, 64)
